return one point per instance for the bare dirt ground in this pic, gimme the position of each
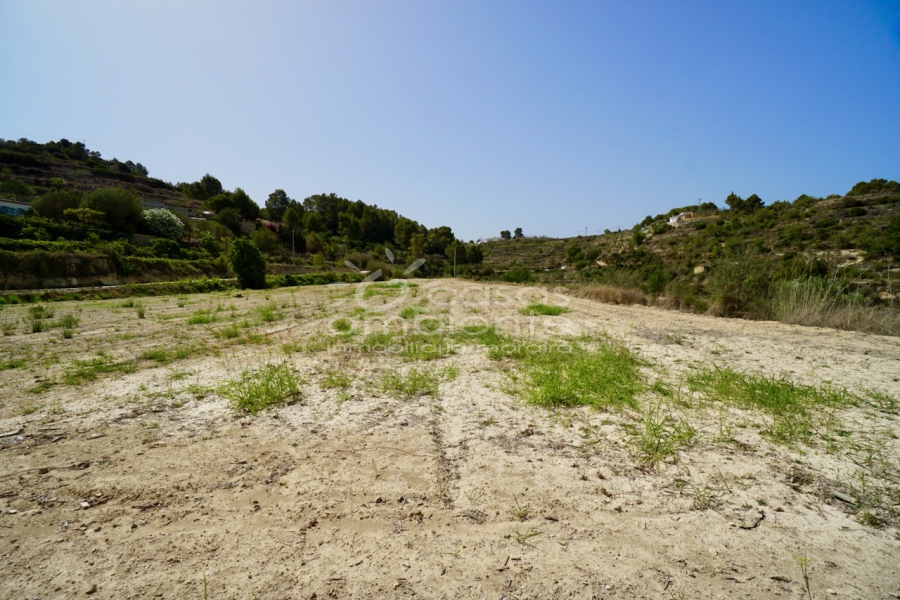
(125, 472)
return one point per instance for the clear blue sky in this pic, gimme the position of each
(481, 115)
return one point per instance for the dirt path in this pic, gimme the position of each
(141, 481)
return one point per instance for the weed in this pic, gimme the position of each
(8, 326)
(474, 495)
(520, 512)
(867, 518)
(29, 409)
(141, 310)
(675, 337)
(659, 437)
(88, 370)
(342, 326)
(36, 324)
(537, 308)
(204, 316)
(337, 380)
(416, 382)
(13, 363)
(803, 561)
(269, 313)
(253, 391)
(41, 311)
(229, 333)
(68, 324)
(164, 356)
(411, 312)
(523, 537)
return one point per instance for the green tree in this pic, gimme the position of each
(265, 239)
(403, 230)
(54, 203)
(518, 233)
(437, 239)
(416, 245)
(505, 235)
(474, 254)
(121, 208)
(277, 203)
(753, 203)
(313, 222)
(248, 264)
(230, 218)
(734, 202)
(245, 205)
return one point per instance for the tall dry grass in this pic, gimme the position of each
(829, 303)
(611, 294)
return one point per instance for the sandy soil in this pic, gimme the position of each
(142, 484)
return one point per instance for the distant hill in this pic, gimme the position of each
(83, 205)
(730, 261)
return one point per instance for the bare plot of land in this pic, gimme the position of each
(493, 449)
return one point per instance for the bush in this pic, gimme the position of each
(519, 275)
(163, 223)
(121, 208)
(265, 239)
(164, 248)
(248, 264)
(739, 286)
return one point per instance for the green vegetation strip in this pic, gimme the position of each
(794, 408)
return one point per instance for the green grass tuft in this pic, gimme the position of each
(415, 382)
(605, 376)
(254, 391)
(537, 308)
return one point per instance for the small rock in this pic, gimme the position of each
(379, 500)
(830, 592)
(12, 511)
(85, 505)
(844, 497)
(92, 590)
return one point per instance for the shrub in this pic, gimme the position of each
(253, 391)
(519, 275)
(248, 264)
(121, 208)
(163, 223)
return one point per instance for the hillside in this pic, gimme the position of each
(720, 259)
(73, 218)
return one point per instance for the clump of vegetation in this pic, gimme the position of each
(248, 264)
(537, 308)
(794, 409)
(253, 391)
(415, 382)
(203, 316)
(605, 375)
(88, 370)
(68, 323)
(165, 356)
(658, 436)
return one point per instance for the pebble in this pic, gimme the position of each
(92, 590)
